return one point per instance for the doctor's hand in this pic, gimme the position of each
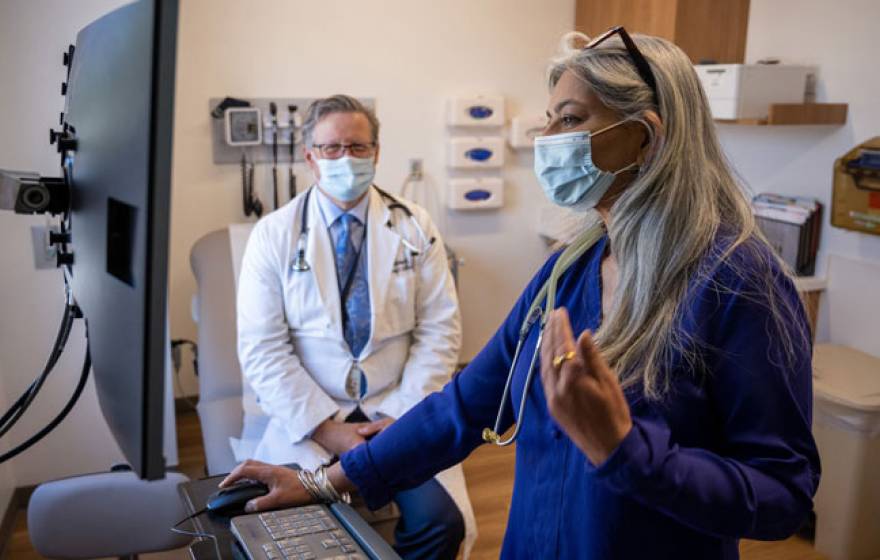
(339, 437)
(285, 489)
(372, 428)
(582, 391)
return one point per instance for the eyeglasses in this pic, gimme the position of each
(641, 64)
(335, 151)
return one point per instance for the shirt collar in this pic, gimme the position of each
(331, 212)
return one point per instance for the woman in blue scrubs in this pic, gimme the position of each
(671, 413)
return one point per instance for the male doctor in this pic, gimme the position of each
(347, 317)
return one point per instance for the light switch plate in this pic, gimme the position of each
(44, 254)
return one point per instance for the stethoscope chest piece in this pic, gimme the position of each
(300, 264)
(489, 436)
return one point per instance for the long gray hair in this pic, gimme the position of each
(665, 223)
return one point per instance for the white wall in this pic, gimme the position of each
(33, 34)
(840, 38)
(410, 57)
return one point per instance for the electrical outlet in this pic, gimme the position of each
(44, 253)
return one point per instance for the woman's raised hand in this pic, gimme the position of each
(583, 393)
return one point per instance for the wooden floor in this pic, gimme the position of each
(489, 473)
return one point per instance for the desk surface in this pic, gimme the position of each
(194, 495)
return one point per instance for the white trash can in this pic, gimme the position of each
(846, 425)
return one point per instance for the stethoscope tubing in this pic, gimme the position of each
(300, 264)
(525, 394)
(547, 295)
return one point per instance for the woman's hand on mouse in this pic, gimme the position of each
(285, 489)
(583, 393)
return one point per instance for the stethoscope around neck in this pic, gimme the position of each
(300, 264)
(546, 297)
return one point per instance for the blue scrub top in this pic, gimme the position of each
(728, 453)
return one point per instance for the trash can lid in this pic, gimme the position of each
(846, 376)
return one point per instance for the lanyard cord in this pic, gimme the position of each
(546, 295)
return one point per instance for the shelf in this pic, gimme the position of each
(798, 113)
(810, 283)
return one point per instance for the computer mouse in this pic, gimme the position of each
(231, 501)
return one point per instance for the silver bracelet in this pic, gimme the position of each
(307, 479)
(326, 487)
(319, 487)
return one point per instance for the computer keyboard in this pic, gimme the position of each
(302, 533)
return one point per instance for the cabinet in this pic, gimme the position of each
(707, 30)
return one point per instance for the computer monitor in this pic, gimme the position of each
(119, 110)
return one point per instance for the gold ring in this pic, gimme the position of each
(558, 360)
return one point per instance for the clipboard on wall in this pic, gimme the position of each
(855, 203)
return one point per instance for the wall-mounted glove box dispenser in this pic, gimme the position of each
(480, 110)
(476, 153)
(476, 193)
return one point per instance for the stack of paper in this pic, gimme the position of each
(792, 225)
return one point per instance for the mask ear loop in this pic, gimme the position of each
(609, 127)
(636, 165)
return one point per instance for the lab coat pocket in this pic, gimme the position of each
(400, 307)
(301, 295)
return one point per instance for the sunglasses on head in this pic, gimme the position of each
(641, 64)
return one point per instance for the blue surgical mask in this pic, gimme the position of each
(564, 166)
(346, 178)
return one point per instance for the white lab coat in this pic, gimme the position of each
(290, 343)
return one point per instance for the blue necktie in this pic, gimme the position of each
(353, 288)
